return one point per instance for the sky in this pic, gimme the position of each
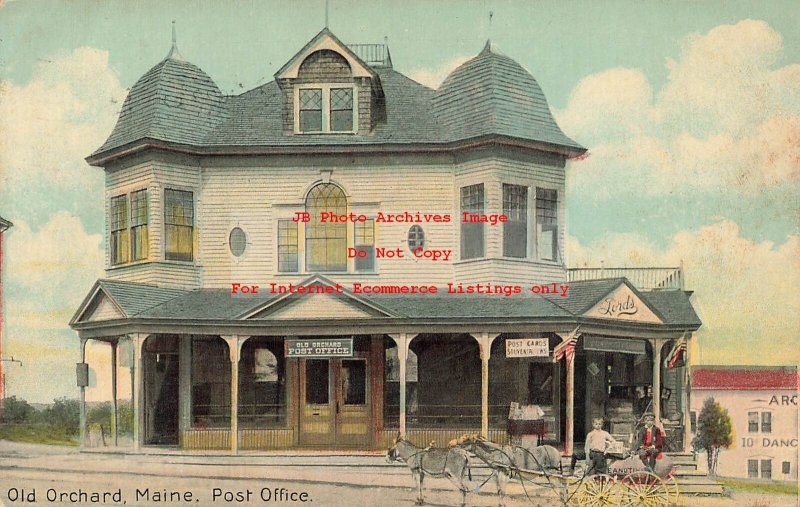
(690, 111)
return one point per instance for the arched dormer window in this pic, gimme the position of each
(325, 95)
(326, 239)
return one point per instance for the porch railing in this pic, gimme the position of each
(372, 54)
(641, 278)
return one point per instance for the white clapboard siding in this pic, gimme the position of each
(163, 274)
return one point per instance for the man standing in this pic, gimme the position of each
(650, 442)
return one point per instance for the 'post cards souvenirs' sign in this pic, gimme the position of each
(527, 347)
(320, 348)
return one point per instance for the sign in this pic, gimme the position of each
(527, 347)
(623, 304)
(621, 345)
(320, 348)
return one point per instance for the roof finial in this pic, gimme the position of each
(173, 52)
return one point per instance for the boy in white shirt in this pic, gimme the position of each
(597, 442)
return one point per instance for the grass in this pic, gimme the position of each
(36, 434)
(759, 487)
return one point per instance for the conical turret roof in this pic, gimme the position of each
(174, 101)
(492, 94)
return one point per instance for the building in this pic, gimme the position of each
(252, 240)
(762, 404)
(4, 226)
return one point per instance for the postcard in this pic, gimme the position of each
(337, 252)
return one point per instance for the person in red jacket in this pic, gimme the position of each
(650, 442)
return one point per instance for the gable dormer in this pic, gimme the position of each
(328, 89)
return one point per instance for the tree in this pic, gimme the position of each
(65, 414)
(18, 411)
(714, 432)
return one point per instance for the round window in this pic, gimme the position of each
(237, 241)
(416, 237)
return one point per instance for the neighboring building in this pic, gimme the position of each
(4, 225)
(762, 404)
(201, 192)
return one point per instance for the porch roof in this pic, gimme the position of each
(148, 302)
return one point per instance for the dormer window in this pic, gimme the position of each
(325, 109)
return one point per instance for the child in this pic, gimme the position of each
(597, 441)
(650, 442)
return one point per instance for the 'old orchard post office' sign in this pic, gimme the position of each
(319, 348)
(527, 347)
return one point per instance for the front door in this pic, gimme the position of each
(334, 407)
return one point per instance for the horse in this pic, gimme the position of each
(505, 460)
(451, 463)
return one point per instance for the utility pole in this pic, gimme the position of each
(3, 375)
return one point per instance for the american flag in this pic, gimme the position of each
(567, 347)
(677, 354)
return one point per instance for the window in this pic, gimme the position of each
(766, 422)
(262, 383)
(753, 418)
(326, 109)
(287, 247)
(766, 469)
(472, 201)
(365, 241)
(211, 383)
(129, 228)
(515, 231)
(120, 248)
(326, 241)
(786, 468)
(752, 422)
(179, 225)
(752, 469)
(139, 243)
(341, 109)
(547, 224)
(237, 241)
(416, 237)
(311, 110)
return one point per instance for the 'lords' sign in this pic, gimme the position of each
(614, 307)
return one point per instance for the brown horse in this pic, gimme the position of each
(451, 463)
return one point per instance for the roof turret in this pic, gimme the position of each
(492, 94)
(174, 101)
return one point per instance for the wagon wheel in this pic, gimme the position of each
(599, 490)
(671, 483)
(644, 489)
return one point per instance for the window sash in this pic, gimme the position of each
(326, 243)
(364, 238)
(472, 234)
(752, 469)
(547, 224)
(752, 422)
(515, 230)
(179, 225)
(287, 247)
(766, 469)
(766, 422)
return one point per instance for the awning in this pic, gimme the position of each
(621, 345)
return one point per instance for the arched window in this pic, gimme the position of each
(326, 238)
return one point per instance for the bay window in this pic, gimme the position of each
(178, 225)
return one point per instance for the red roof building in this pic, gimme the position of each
(748, 378)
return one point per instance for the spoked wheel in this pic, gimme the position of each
(599, 490)
(674, 491)
(644, 489)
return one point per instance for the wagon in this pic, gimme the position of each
(628, 483)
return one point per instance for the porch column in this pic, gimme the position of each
(657, 344)
(485, 345)
(82, 428)
(234, 348)
(137, 342)
(569, 424)
(402, 340)
(687, 386)
(114, 431)
(184, 385)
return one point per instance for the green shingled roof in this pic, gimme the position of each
(491, 94)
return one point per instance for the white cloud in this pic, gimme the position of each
(432, 78)
(62, 114)
(747, 289)
(725, 118)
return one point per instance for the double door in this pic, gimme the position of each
(334, 403)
